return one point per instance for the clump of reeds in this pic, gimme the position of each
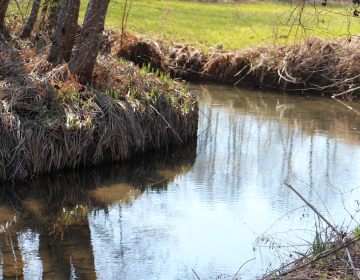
(326, 66)
(49, 122)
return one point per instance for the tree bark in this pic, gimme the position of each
(83, 61)
(64, 37)
(4, 32)
(32, 19)
(52, 20)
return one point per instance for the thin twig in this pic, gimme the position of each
(242, 267)
(314, 209)
(167, 123)
(196, 274)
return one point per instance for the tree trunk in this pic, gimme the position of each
(52, 20)
(83, 61)
(32, 19)
(4, 32)
(64, 37)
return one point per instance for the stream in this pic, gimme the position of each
(201, 210)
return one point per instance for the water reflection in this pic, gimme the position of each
(50, 227)
(199, 207)
(267, 138)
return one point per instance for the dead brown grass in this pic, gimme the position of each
(327, 66)
(49, 122)
(333, 263)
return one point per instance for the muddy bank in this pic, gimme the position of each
(49, 123)
(325, 66)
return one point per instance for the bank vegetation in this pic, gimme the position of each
(328, 67)
(49, 122)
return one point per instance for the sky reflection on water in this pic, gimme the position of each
(200, 207)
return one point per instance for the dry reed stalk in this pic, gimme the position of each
(49, 122)
(327, 66)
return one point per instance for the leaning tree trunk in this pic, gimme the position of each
(52, 19)
(83, 61)
(64, 37)
(32, 19)
(4, 32)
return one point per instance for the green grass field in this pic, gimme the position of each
(231, 26)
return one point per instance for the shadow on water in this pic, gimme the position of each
(44, 228)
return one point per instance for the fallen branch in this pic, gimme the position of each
(340, 234)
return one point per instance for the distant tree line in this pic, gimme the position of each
(60, 20)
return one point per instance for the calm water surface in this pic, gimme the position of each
(199, 207)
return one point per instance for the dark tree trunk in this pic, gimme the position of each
(52, 20)
(4, 32)
(64, 37)
(32, 19)
(83, 60)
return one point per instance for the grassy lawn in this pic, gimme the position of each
(231, 26)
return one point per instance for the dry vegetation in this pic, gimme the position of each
(330, 67)
(49, 122)
(333, 254)
(332, 263)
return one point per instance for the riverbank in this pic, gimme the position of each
(328, 67)
(49, 123)
(337, 259)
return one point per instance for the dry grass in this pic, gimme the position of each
(332, 263)
(49, 122)
(326, 66)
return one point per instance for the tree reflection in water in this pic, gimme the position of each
(166, 214)
(44, 229)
